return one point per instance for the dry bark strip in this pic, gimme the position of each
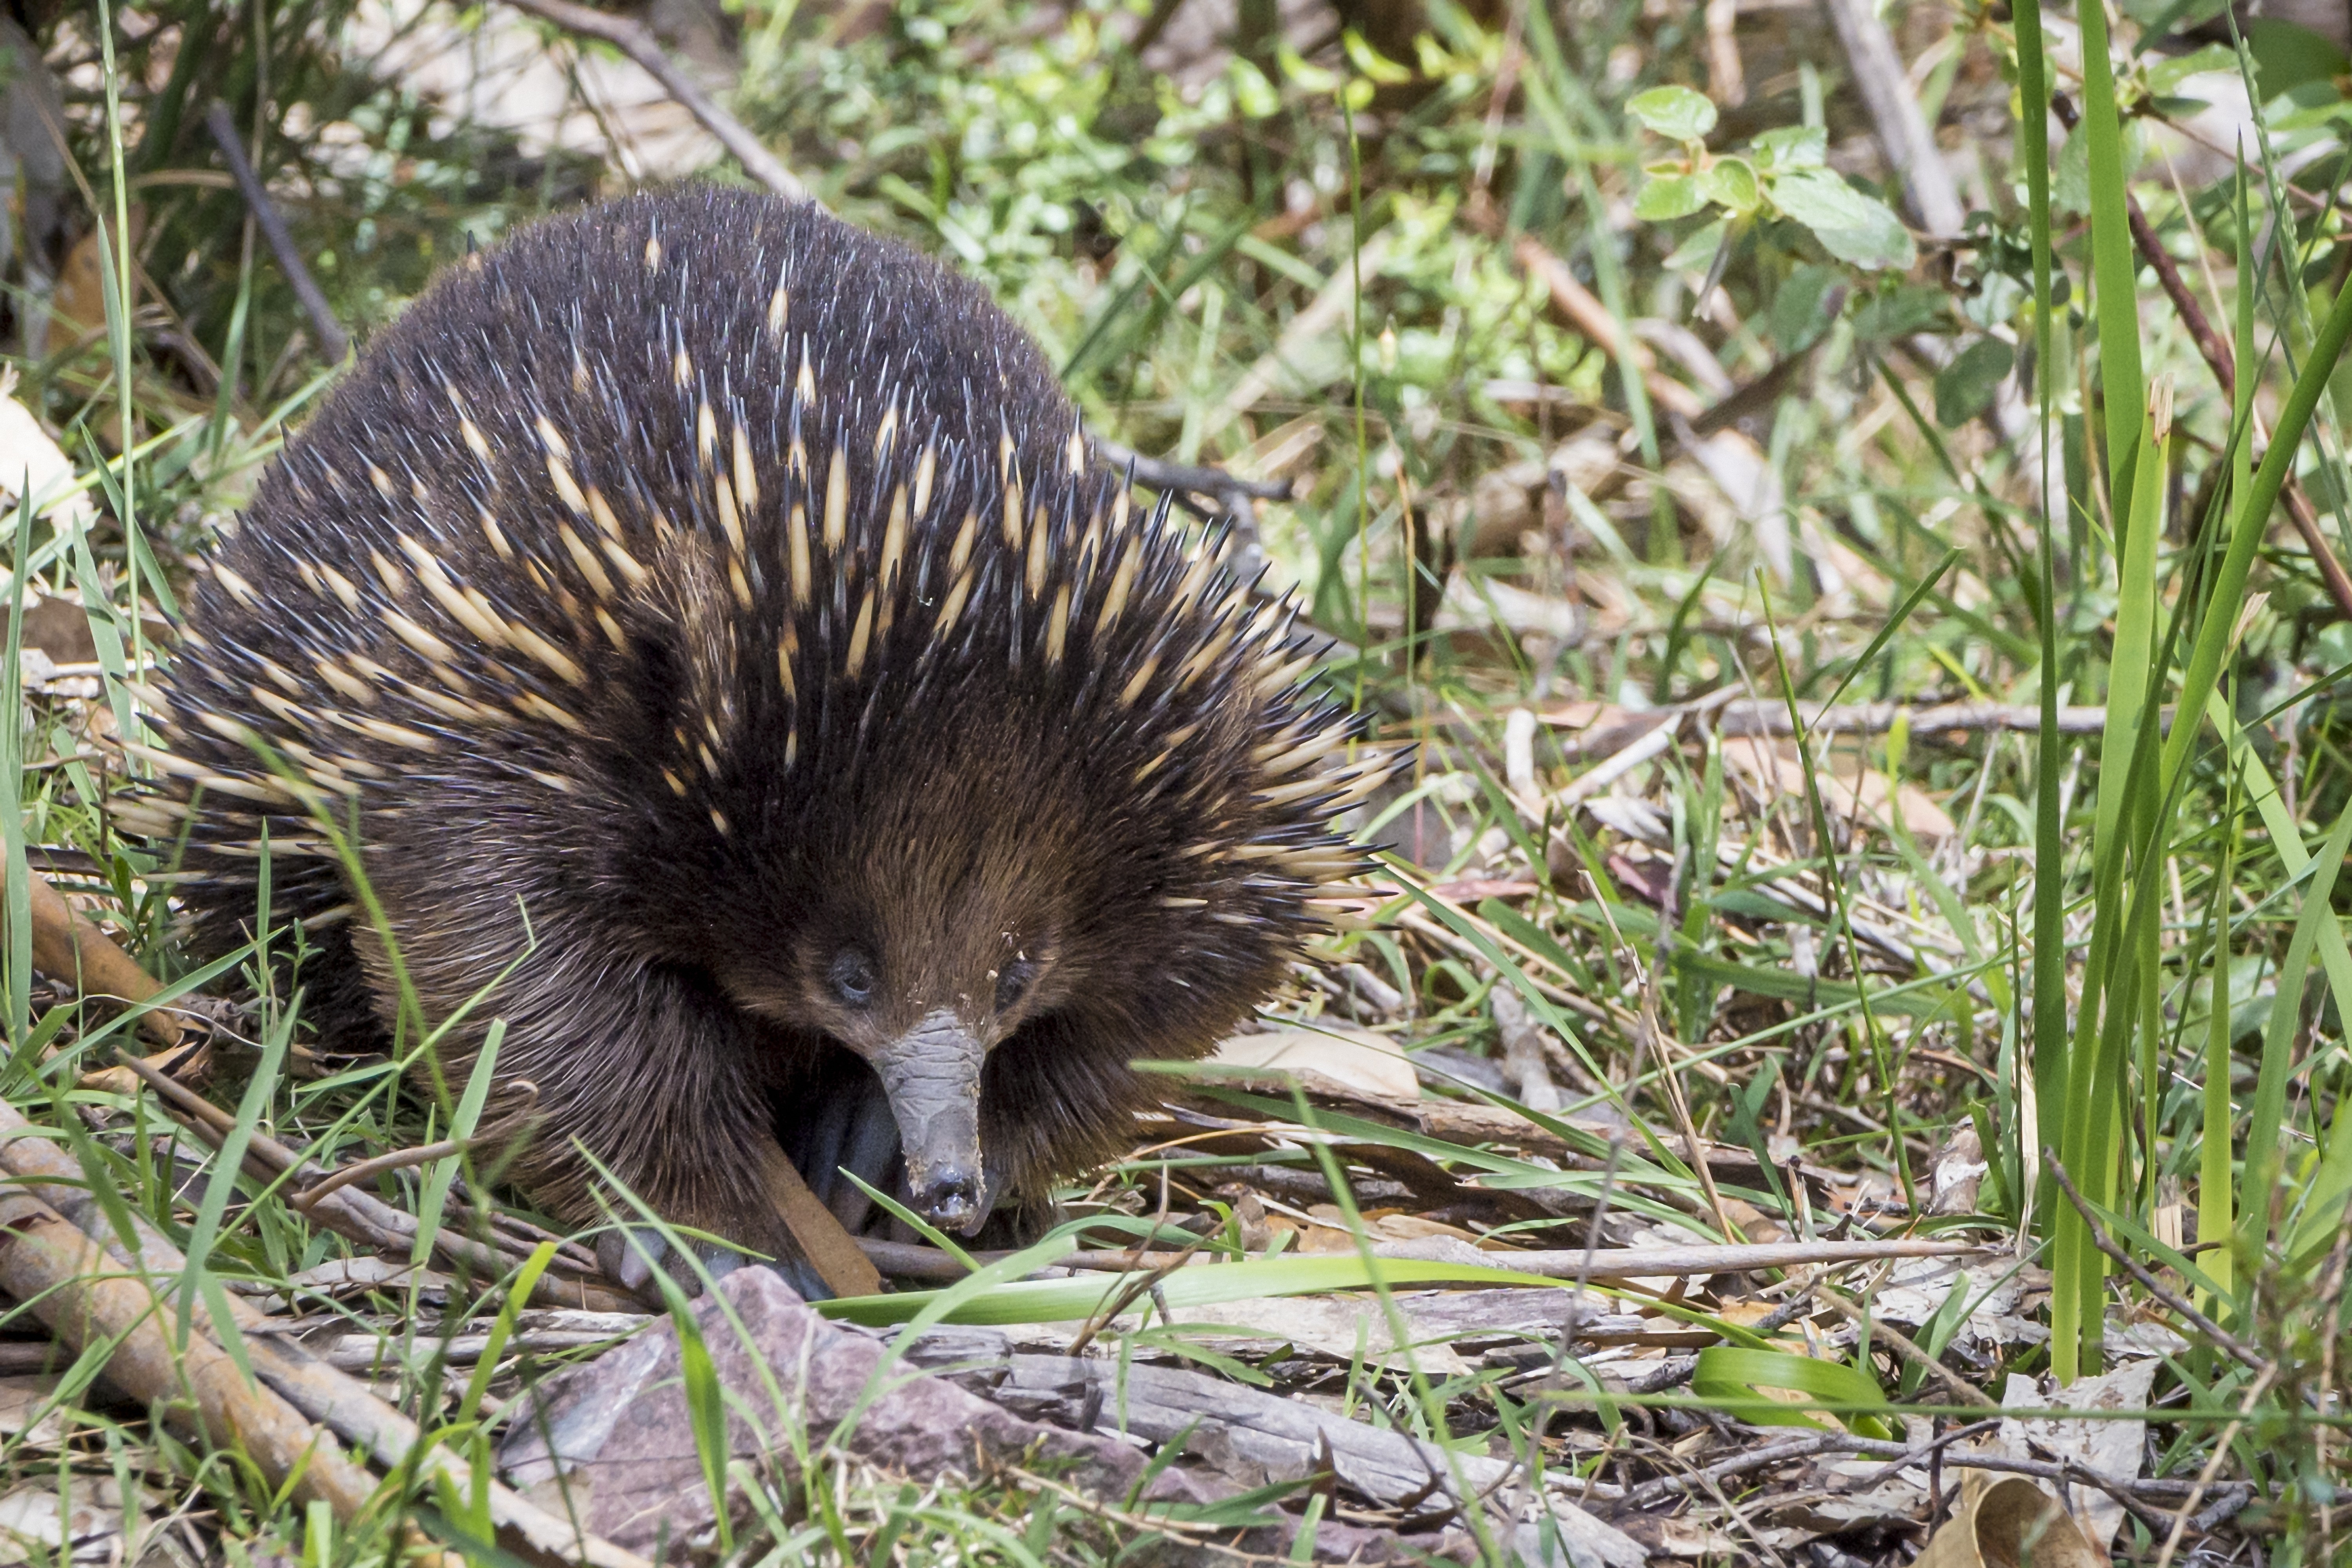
(1253, 1437)
(1256, 1438)
(1606, 1263)
(42, 1264)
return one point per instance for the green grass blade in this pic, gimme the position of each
(2266, 1117)
(229, 1163)
(1073, 1300)
(19, 888)
(461, 1128)
(2114, 272)
(2250, 518)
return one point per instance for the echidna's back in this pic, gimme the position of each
(510, 461)
(582, 320)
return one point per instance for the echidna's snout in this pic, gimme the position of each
(932, 1074)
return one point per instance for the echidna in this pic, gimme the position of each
(741, 677)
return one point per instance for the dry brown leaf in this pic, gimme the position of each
(31, 459)
(85, 1526)
(22, 1421)
(1774, 768)
(2011, 1523)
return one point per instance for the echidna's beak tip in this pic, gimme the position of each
(951, 1200)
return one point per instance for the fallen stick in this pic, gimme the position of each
(1758, 717)
(67, 948)
(633, 40)
(86, 1298)
(52, 1180)
(334, 342)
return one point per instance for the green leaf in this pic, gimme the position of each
(1253, 94)
(1668, 196)
(1851, 227)
(1967, 386)
(1901, 312)
(1674, 111)
(1792, 147)
(1736, 1376)
(2287, 56)
(1802, 310)
(1314, 78)
(1731, 182)
(2165, 75)
(1371, 62)
(1696, 254)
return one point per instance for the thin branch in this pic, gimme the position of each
(911, 1261)
(633, 40)
(363, 1218)
(2137, 1494)
(368, 1170)
(86, 1298)
(334, 342)
(1192, 478)
(1762, 717)
(2243, 1353)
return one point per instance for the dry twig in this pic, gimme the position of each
(360, 1217)
(2239, 1351)
(633, 40)
(334, 342)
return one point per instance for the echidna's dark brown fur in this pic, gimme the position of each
(695, 591)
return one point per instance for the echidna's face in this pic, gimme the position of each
(924, 956)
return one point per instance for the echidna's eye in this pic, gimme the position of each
(852, 978)
(1013, 982)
